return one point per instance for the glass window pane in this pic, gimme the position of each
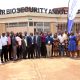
(39, 24)
(6, 25)
(35, 23)
(12, 24)
(18, 24)
(30, 23)
(46, 24)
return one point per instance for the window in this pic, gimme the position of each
(47, 24)
(12, 24)
(39, 24)
(62, 27)
(47, 30)
(30, 23)
(77, 25)
(22, 24)
(35, 23)
(6, 24)
(17, 24)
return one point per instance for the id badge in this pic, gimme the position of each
(48, 42)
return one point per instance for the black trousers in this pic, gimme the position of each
(19, 52)
(43, 49)
(31, 51)
(4, 55)
(25, 52)
(38, 51)
(52, 50)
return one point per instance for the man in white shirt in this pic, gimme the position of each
(0, 45)
(65, 37)
(4, 48)
(61, 44)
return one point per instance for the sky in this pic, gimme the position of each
(9, 4)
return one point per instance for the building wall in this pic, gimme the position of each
(20, 29)
(53, 28)
(2, 28)
(53, 19)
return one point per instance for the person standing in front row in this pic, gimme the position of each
(4, 48)
(19, 46)
(9, 46)
(72, 46)
(14, 46)
(37, 44)
(65, 37)
(43, 45)
(61, 44)
(0, 46)
(24, 47)
(56, 45)
(49, 41)
(30, 43)
(26, 36)
(78, 45)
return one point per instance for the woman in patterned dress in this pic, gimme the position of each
(55, 45)
(66, 48)
(78, 45)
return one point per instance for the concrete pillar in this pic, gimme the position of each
(28, 28)
(74, 27)
(53, 28)
(2, 28)
(43, 26)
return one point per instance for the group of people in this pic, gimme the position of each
(28, 46)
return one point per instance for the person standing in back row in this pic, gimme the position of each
(72, 46)
(49, 41)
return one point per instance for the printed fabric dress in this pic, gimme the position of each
(78, 44)
(72, 43)
(56, 44)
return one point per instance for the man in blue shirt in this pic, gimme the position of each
(49, 41)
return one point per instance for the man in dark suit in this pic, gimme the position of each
(30, 44)
(37, 43)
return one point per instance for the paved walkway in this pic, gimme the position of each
(41, 69)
